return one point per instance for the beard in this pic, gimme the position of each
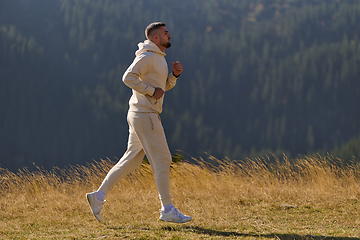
(166, 44)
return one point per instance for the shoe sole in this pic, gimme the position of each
(175, 221)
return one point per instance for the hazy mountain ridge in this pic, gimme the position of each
(259, 76)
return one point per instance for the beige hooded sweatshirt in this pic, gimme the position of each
(148, 71)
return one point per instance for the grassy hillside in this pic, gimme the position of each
(308, 198)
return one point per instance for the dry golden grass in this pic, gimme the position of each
(308, 198)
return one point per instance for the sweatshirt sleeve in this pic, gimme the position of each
(132, 75)
(171, 81)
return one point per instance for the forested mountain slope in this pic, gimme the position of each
(259, 76)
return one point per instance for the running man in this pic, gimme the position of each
(148, 78)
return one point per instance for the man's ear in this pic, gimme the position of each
(153, 37)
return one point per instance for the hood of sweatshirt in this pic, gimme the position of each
(148, 46)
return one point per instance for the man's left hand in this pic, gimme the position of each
(177, 68)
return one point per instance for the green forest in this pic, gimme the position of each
(260, 77)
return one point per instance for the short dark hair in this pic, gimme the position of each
(152, 27)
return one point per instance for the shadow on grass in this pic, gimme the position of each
(212, 232)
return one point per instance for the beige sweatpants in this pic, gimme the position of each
(146, 136)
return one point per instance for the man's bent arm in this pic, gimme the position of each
(131, 77)
(170, 81)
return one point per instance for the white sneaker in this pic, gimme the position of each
(95, 205)
(174, 216)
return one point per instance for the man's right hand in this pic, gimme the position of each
(158, 93)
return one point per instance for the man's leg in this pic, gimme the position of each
(131, 160)
(153, 140)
